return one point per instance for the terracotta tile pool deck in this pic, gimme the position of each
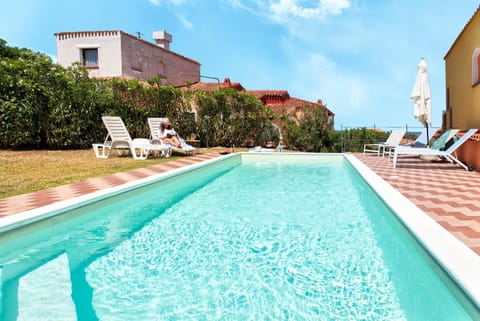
(446, 192)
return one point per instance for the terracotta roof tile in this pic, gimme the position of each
(211, 86)
(278, 100)
(262, 93)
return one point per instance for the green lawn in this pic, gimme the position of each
(27, 171)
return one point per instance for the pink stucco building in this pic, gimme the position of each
(108, 54)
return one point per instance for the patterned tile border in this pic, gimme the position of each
(445, 191)
(20, 203)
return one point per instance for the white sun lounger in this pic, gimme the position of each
(448, 154)
(119, 138)
(392, 141)
(440, 143)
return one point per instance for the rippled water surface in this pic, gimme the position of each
(265, 240)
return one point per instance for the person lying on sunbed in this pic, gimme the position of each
(168, 135)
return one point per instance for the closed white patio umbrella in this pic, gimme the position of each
(421, 96)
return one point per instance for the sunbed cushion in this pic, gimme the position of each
(440, 142)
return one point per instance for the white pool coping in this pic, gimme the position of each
(458, 260)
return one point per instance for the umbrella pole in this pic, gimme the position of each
(426, 125)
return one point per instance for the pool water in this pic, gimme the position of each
(295, 239)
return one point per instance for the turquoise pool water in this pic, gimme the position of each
(293, 238)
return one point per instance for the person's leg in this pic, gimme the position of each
(176, 142)
(172, 141)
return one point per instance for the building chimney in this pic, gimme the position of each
(162, 39)
(320, 102)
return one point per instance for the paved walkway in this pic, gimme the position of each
(446, 192)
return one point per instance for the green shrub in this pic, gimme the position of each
(228, 117)
(43, 105)
(311, 133)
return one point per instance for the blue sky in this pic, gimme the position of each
(359, 56)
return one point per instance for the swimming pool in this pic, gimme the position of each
(251, 237)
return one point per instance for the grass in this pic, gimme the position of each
(28, 171)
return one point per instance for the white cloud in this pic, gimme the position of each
(292, 14)
(335, 6)
(308, 9)
(279, 10)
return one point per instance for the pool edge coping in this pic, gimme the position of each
(461, 262)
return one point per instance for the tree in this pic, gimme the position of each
(229, 117)
(311, 133)
(25, 96)
(353, 139)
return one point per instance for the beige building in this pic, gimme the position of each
(108, 54)
(462, 73)
(462, 77)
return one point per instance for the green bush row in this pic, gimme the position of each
(46, 106)
(43, 105)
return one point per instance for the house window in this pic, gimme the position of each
(478, 69)
(476, 66)
(90, 57)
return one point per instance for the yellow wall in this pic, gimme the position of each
(464, 97)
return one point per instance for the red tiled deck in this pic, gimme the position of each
(446, 192)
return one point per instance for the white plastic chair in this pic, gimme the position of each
(119, 138)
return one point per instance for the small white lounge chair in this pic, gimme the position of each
(448, 153)
(154, 125)
(119, 138)
(392, 141)
(258, 149)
